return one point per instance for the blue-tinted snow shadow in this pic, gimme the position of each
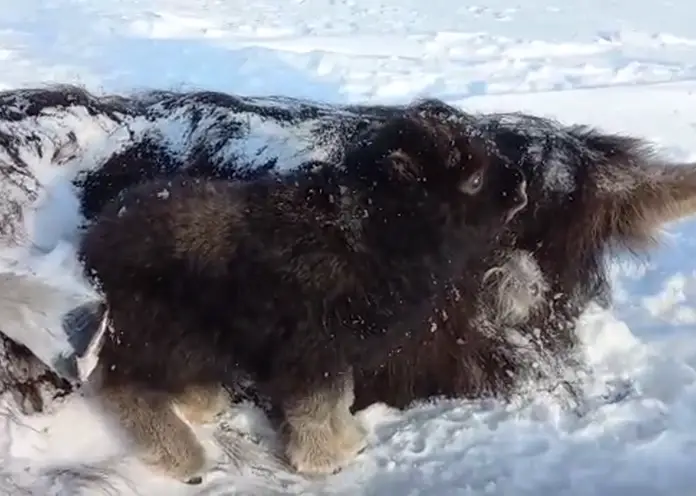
(193, 64)
(77, 36)
(666, 279)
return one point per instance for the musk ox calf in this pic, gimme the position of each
(297, 281)
(591, 194)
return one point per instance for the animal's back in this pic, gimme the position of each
(156, 225)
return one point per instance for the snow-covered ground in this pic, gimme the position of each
(624, 65)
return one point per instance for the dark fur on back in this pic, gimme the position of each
(298, 278)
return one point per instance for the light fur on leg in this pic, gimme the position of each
(201, 404)
(349, 431)
(321, 434)
(164, 440)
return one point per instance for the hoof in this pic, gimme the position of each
(194, 481)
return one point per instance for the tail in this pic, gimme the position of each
(633, 192)
(664, 195)
(60, 327)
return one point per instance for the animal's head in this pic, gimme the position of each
(438, 166)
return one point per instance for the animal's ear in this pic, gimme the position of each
(635, 194)
(402, 166)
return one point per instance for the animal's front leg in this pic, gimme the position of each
(166, 443)
(321, 435)
(349, 430)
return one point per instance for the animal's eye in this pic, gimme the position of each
(473, 184)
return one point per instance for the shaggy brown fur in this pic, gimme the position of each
(295, 281)
(621, 197)
(465, 348)
(567, 232)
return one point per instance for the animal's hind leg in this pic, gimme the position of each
(200, 404)
(165, 441)
(321, 434)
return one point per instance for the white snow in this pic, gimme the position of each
(625, 65)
